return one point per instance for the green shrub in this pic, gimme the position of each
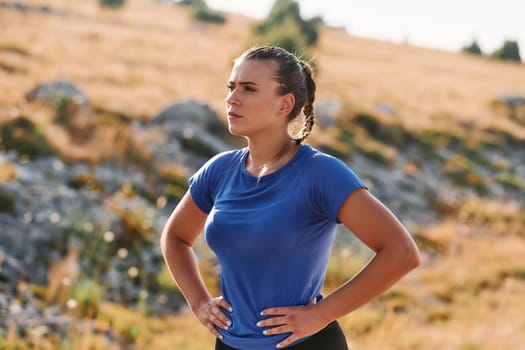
(202, 12)
(194, 3)
(510, 51)
(339, 150)
(7, 203)
(88, 295)
(285, 27)
(111, 3)
(474, 153)
(376, 154)
(196, 145)
(130, 332)
(510, 180)
(370, 123)
(288, 10)
(473, 48)
(431, 141)
(462, 171)
(287, 36)
(87, 181)
(394, 135)
(24, 137)
(278, 13)
(205, 14)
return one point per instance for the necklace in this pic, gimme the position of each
(263, 169)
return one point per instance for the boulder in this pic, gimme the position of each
(180, 115)
(514, 106)
(189, 132)
(63, 89)
(65, 98)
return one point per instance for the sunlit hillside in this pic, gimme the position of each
(133, 61)
(147, 54)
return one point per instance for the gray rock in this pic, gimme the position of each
(385, 107)
(515, 106)
(188, 133)
(327, 112)
(177, 116)
(511, 100)
(64, 89)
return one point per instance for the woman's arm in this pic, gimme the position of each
(395, 251)
(178, 236)
(395, 255)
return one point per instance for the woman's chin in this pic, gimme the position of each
(234, 131)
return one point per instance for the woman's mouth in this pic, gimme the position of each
(233, 115)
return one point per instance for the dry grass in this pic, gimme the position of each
(146, 55)
(469, 296)
(134, 60)
(428, 88)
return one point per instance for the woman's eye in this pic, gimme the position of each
(230, 87)
(248, 88)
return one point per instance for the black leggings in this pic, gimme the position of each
(329, 338)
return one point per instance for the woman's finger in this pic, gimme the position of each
(214, 330)
(222, 319)
(273, 321)
(224, 304)
(219, 319)
(278, 330)
(277, 311)
(287, 341)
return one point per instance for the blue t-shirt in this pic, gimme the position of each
(272, 237)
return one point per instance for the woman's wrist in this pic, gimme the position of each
(322, 312)
(197, 303)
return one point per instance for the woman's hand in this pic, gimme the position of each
(300, 321)
(211, 315)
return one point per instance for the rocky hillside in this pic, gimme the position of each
(89, 175)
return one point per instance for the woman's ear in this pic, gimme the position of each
(287, 104)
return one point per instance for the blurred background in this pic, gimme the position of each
(108, 106)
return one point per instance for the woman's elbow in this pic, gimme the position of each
(163, 241)
(411, 257)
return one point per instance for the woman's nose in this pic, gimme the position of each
(232, 98)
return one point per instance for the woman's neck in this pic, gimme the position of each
(267, 156)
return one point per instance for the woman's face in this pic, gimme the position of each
(253, 104)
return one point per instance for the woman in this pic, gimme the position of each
(269, 212)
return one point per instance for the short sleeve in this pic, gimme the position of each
(203, 185)
(335, 181)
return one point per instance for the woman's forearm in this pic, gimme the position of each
(381, 273)
(183, 267)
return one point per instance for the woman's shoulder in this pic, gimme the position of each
(319, 159)
(226, 158)
(328, 172)
(229, 154)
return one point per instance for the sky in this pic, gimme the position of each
(444, 24)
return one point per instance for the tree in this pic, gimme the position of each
(473, 48)
(284, 15)
(111, 3)
(202, 12)
(195, 3)
(510, 51)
